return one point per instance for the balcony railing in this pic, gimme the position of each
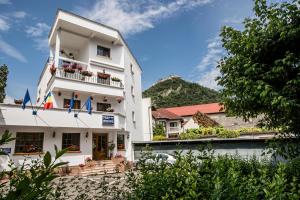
(174, 129)
(76, 70)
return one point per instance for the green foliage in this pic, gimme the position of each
(203, 176)
(30, 180)
(261, 74)
(158, 129)
(3, 79)
(177, 92)
(159, 137)
(221, 132)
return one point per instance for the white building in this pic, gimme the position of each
(87, 59)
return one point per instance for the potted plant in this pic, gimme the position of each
(52, 70)
(103, 75)
(120, 99)
(74, 66)
(86, 73)
(18, 101)
(109, 109)
(111, 147)
(79, 68)
(69, 70)
(116, 79)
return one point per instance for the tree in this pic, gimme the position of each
(158, 129)
(260, 74)
(3, 79)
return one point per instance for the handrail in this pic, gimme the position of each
(76, 75)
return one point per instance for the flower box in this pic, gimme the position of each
(86, 73)
(52, 70)
(69, 70)
(116, 79)
(103, 75)
(18, 101)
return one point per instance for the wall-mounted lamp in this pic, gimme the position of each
(59, 93)
(53, 134)
(128, 136)
(76, 115)
(87, 134)
(34, 112)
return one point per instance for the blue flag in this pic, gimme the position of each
(71, 105)
(26, 99)
(88, 105)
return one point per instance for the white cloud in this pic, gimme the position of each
(38, 33)
(208, 79)
(37, 30)
(4, 26)
(19, 14)
(5, 2)
(132, 17)
(208, 64)
(11, 51)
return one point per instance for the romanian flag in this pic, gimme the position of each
(48, 101)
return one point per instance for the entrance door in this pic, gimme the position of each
(100, 146)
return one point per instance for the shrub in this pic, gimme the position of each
(159, 137)
(204, 176)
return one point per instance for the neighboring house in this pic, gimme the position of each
(171, 122)
(87, 60)
(213, 110)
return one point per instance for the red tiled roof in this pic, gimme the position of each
(191, 110)
(162, 113)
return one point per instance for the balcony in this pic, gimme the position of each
(174, 129)
(73, 75)
(60, 118)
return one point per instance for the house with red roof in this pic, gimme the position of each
(179, 119)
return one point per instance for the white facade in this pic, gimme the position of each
(114, 83)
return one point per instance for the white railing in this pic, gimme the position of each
(174, 129)
(72, 69)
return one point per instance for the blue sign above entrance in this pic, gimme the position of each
(108, 120)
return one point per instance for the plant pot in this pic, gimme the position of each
(52, 70)
(18, 101)
(69, 70)
(86, 73)
(103, 76)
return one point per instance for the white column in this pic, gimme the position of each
(57, 47)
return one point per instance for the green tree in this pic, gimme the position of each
(158, 129)
(260, 74)
(3, 79)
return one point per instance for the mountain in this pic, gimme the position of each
(174, 91)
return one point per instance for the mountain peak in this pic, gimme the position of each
(174, 91)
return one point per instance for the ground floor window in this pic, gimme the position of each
(173, 124)
(71, 141)
(121, 142)
(29, 142)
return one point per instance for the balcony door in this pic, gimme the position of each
(100, 146)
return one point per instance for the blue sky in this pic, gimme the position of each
(167, 37)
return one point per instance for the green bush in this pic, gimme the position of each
(221, 132)
(159, 137)
(203, 176)
(158, 129)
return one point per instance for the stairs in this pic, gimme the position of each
(100, 167)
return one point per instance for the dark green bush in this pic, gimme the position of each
(204, 176)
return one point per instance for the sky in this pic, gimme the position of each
(178, 37)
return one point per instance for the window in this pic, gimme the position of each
(133, 116)
(103, 51)
(131, 69)
(121, 142)
(76, 103)
(132, 91)
(29, 142)
(163, 123)
(103, 106)
(71, 141)
(173, 124)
